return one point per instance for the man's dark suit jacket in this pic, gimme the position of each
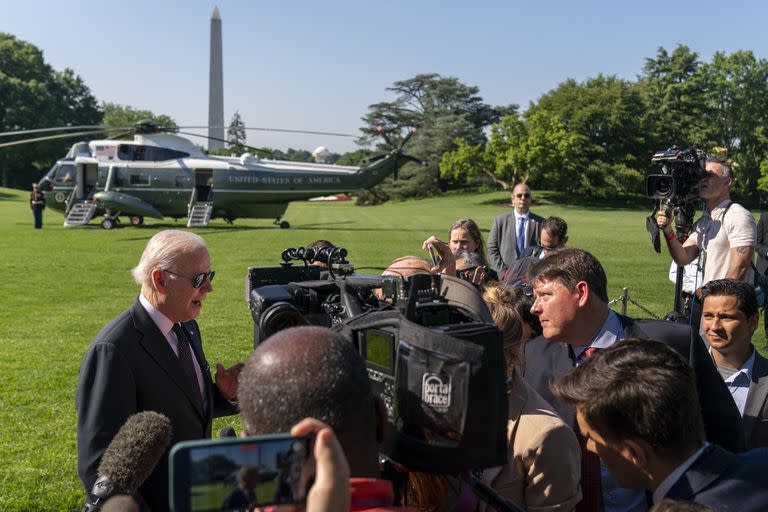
(545, 360)
(502, 240)
(755, 418)
(129, 368)
(761, 243)
(725, 481)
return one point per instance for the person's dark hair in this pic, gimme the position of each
(555, 226)
(637, 389)
(523, 303)
(320, 244)
(744, 293)
(715, 159)
(474, 232)
(569, 266)
(305, 372)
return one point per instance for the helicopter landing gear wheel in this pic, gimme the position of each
(284, 225)
(108, 223)
(137, 220)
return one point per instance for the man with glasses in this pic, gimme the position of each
(512, 232)
(151, 358)
(553, 235)
(723, 238)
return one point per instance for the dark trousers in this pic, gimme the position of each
(38, 213)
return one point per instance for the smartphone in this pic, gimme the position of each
(240, 473)
(434, 256)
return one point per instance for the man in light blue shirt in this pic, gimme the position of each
(730, 318)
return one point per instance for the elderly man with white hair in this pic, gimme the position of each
(151, 358)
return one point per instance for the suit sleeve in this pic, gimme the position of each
(105, 398)
(494, 253)
(761, 244)
(722, 421)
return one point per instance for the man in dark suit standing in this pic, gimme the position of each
(512, 232)
(151, 358)
(637, 406)
(730, 318)
(571, 301)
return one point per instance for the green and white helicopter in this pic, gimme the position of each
(160, 174)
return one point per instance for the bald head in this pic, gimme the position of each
(407, 266)
(306, 371)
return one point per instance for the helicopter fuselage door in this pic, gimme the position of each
(87, 179)
(204, 184)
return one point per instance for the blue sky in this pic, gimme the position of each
(318, 65)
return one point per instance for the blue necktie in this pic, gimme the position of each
(520, 235)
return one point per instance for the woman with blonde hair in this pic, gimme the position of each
(543, 468)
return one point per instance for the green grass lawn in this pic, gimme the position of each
(61, 285)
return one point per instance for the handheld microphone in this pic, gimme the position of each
(131, 457)
(491, 497)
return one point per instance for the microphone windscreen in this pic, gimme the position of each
(227, 432)
(135, 450)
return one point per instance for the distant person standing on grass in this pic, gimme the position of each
(512, 232)
(37, 205)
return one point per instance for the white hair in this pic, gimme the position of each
(163, 250)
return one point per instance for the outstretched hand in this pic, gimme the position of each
(226, 380)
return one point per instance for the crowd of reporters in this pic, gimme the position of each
(605, 412)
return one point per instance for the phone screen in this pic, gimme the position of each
(239, 473)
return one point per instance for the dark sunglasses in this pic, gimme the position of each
(197, 279)
(523, 195)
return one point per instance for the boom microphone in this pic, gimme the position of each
(131, 457)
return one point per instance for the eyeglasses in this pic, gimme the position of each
(523, 195)
(197, 279)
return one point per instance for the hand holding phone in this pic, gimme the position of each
(240, 473)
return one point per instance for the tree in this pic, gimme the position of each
(736, 101)
(605, 118)
(33, 95)
(124, 115)
(236, 137)
(444, 109)
(673, 89)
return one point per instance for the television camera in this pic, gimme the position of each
(676, 190)
(429, 344)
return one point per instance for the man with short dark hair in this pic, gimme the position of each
(571, 301)
(315, 372)
(638, 409)
(553, 235)
(730, 318)
(724, 237)
(512, 232)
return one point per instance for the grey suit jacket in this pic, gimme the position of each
(546, 360)
(755, 420)
(502, 240)
(129, 368)
(761, 243)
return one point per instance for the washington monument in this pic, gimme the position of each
(216, 87)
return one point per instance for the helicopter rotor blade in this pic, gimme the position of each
(50, 137)
(282, 130)
(62, 129)
(262, 151)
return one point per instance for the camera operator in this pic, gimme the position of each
(724, 237)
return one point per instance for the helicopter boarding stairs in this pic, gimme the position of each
(80, 213)
(199, 215)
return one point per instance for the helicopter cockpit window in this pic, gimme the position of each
(65, 173)
(139, 179)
